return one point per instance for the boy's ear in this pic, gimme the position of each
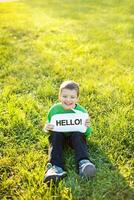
(59, 96)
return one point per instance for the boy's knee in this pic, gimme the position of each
(56, 136)
(77, 135)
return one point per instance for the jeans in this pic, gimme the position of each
(57, 142)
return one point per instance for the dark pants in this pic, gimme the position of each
(57, 142)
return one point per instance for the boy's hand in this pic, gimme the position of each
(48, 127)
(87, 122)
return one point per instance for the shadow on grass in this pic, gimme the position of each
(108, 183)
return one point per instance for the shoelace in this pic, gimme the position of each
(83, 163)
(55, 168)
(49, 166)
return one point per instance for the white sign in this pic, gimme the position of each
(70, 122)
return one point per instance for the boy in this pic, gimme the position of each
(68, 122)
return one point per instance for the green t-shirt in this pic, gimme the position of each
(68, 121)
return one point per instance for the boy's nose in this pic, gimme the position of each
(68, 100)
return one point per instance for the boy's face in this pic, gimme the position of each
(68, 98)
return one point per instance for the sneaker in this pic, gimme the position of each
(54, 173)
(86, 169)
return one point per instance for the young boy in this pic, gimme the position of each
(68, 123)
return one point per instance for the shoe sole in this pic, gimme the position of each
(54, 178)
(89, 171)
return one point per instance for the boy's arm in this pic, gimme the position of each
(88, 132)
(89, 129)
(48, 127)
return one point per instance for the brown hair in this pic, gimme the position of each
(71, 85)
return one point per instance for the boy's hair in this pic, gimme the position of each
(71, 85)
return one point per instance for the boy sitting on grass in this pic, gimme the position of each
(68, 123)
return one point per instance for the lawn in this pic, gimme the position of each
(42, 43)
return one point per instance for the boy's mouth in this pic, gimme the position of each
(68, 104)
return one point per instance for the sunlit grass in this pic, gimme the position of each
(42, 44)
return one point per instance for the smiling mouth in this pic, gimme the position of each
(68, 104)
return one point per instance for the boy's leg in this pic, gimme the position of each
(55, 168)
(85, 167)
(57, 141)
(78, 143)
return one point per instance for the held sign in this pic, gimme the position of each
(70, 122)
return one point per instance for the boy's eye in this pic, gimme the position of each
(64, 96)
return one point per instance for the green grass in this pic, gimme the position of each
(42, 44)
